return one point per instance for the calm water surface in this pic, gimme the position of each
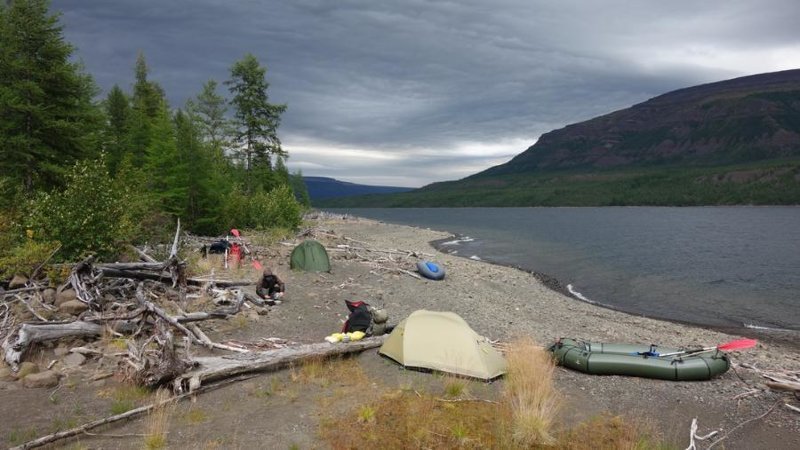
(716, 266)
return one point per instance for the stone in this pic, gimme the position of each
(46, 379)
(19, 281)
(49, 296)
(26, 368)
(73, 307)
(64, 296)
(61, 350)
(74, 360)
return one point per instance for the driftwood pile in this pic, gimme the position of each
(144, 304)
(122, 299)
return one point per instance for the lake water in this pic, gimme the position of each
(714, 266)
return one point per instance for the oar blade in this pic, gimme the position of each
(738, 344)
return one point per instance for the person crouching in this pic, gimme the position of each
(270, 287)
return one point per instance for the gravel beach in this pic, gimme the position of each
(375, 262)
(503, 303)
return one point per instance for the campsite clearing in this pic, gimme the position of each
(286, 408)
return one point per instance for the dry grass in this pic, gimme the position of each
(524, 418)
(530, 394)
(403, 419)
(325, 372)
(455, 387)
(157, 424)
(609, 432)
(124, 397)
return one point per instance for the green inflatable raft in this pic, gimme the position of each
(638, 360)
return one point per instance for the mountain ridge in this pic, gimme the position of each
(724, 143)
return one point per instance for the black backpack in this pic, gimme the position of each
(360, 318)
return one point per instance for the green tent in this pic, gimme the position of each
(310, 256)
(443, 341)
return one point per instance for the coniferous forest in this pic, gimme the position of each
(84, 171)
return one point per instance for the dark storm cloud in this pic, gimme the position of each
(418, 91)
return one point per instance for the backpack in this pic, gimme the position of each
(366, 318)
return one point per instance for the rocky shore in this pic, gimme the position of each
(504, 302)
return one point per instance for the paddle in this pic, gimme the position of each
(738, 344)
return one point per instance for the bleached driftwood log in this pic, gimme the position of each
(165, 278)
(212, 368)
(18, 342)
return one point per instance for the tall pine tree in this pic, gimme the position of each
(256, 120)
(166, 166)
(118, 117)
(209, 110)
(47, 118)
(204, 192)
(147, 101)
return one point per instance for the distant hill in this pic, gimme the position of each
(320, 188)
(746, 119)
(729, 142)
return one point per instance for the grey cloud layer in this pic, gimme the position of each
(433, 74)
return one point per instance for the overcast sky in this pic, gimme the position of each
(406, 93)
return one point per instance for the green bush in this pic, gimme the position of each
(89, 215)
(25, 258)
(262, 210)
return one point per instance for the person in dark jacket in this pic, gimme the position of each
(270, 287)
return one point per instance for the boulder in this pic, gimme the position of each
(49, 296)
(61, 350)
(74, 307)
(46, 379)
(74, 360)
(19, 281)
(64, 296)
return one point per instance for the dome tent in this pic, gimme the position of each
(443, 341)
(310, 256)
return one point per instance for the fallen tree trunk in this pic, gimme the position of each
(115, 273)
(17, 343)
(784, 385)
(211, 368)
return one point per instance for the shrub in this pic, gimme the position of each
(262, 210)
(89, 215)
(25, 258)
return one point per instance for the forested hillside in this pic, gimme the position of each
(731, 142)
(82, 171)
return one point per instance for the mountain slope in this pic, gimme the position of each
(735, 121)
(320, 188)
(730, 142)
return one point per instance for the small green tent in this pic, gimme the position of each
(443, 341)
(310, 256)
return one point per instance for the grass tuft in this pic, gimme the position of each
(529, 394)
(157, 423)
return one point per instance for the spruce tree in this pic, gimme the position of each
(118, 117)
(47, 118)
(209, 109)
(256, 120)
(167, 169)
(203, 190)
(147, 102)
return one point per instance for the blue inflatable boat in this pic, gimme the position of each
(430, 270)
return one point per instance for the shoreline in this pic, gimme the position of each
(788, 338)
